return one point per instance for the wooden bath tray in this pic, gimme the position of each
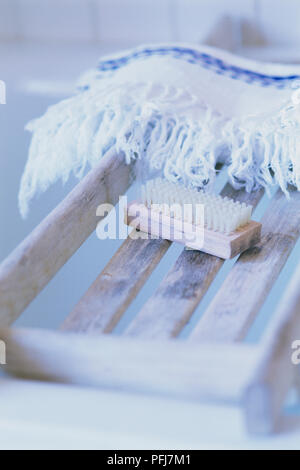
(214, 364)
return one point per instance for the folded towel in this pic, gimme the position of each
(181, 108)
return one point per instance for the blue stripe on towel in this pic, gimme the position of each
(202, 59)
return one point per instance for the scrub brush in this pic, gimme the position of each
(200, 220)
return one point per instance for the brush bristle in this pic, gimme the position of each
(220, 213)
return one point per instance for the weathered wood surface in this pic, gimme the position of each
(223, 245)
(233, 309)
(274, 375)
(174, 369)
(103, 304)
(172, 305)
(32, 265)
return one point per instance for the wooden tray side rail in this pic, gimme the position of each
(33, 263)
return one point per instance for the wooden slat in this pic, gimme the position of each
(232, 311)
(172, 305)
(31, 266)
(173, 369)
(273, 378)
(102, 306)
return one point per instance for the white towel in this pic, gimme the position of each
(182, 108)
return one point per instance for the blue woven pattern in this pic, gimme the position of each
(204, 60)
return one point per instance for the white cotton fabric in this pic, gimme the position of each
(179, 111)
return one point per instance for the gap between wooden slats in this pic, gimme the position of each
(102, 306)
(172, 305)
